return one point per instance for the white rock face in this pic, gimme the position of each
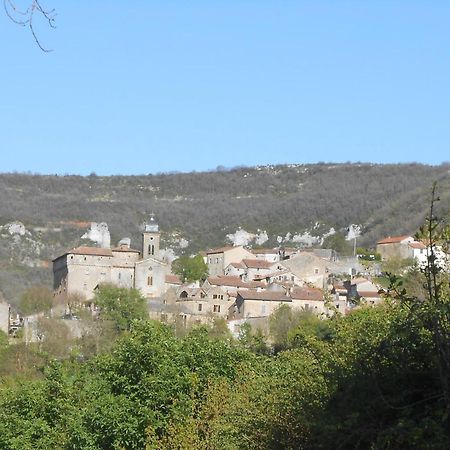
(167, 255)
(306, 239)
(240, 237)
(261, 237)
(99, 233)
(124, 241)
(16, 228)
(183, 243)
(354, 231)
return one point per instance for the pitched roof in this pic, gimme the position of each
(418, 245)
(393, 239)
(225, 280)
(272, 274)
(125, 250)
(265, 251)
(87, 251)
(274, 296)
(173, 279)
(307, 293)
(237, 265)
(257, 263)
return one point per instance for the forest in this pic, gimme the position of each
(377, 378)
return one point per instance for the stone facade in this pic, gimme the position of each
(81, 270)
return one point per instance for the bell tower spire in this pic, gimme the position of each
(150, 238)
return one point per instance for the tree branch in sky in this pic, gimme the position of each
(25, 17)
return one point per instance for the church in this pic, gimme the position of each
(81, 270)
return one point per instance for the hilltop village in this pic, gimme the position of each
(242, 284)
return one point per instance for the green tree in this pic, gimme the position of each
(36, 299)
(121, 306)
(190, 269)
(339, 244)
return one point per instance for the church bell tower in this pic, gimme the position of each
(150, 239)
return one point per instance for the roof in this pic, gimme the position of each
(87, 251)
(272, 274)
(173, 279)
(237, 265)
(418, 245)
(257, 263)
(224, 280)
(393, 239)
(220, 249)
(125, 249)
(307, 293)
(265, 251)
(274, 296)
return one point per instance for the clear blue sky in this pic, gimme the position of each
(137, 87)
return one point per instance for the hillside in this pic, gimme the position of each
(199, 210)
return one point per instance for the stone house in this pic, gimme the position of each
(219, 258)
(81, 270)
(267, 254)
(309, 268)
(251, 304)
(396, 246)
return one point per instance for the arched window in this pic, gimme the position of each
(151, 249)
(184, 294)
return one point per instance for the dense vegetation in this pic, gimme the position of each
(204, 207)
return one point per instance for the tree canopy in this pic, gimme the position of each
(190, 269)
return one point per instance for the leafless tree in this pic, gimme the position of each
(26, 17)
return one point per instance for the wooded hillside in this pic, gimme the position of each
(204, 207)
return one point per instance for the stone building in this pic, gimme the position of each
(81, 270)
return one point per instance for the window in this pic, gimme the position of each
(151, 249)
(200, 306)
(306, 306)
(216, 308)
(184, 294)
(150, 281)
(120, 275)
(316, 271)
(86, 271)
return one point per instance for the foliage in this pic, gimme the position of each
(36, 299)
(396, 265)
(367, 254)
(190, 269)
(119, 305)
(339, 244)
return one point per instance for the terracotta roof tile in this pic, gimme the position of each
(125, 250)
(393, 239)
(173, 279)
(418, 245)
(305, 293)
(224, 280)
(273, 296)
(257, 263)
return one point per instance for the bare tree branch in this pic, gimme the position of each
(25, 17)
